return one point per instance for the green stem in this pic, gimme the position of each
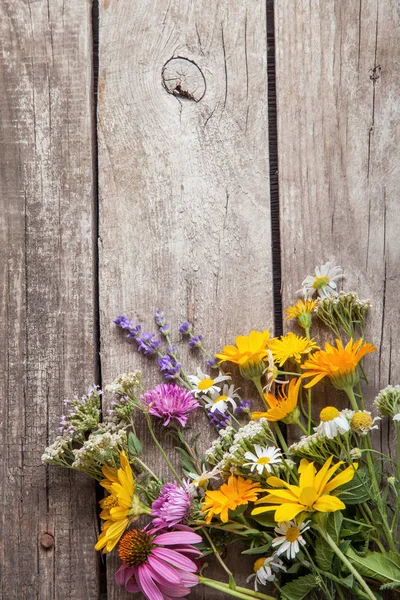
(146, 468)
(280, 437)
(397, 426)
(346, 562)
(157, 443)
(219, 557)
(299, 424)
(257, 383)
(243, 593)
(309, 411)
(350, 393)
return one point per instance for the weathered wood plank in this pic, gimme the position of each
(46, 281)
(338, 78)
(184, 201)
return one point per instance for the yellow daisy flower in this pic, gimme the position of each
(339, 364)
(283, 408)
(121, 507)
(236, 492)
(301, 307)
(291, 346)
(312, 493)
(249, 353)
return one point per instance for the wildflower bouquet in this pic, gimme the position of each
(319, 517)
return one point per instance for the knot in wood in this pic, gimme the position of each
(47, 541)
(182, 78)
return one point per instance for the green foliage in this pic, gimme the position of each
(300, 587)
(382, 566)
(134, 445)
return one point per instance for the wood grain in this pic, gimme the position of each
(184, 200)
(48, 517)
(338, 79)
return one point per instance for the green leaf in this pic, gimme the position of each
(258, 549)
(345, 581)
(299, 588)
(323, 554)
(382, 566)
(334, 525)
(356, 491)
(134, 445)
(266, 519)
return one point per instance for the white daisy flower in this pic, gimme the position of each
(332, 423)
(265, 569)
(362, 422)
(272, 373)
(200, 480)
(290, 539)
(204, 384)
(221, 399)
(323, 282)
(263, 459)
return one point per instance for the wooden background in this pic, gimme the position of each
(121, 198)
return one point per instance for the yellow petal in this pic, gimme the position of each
(263, 509)
(287, 512)
(328, 504)
(343, 477)
(307, 476)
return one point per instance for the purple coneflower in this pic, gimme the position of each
(157, 564)
(169, 401)
(172, 505)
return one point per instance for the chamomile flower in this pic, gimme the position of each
(332, 423)
(263, 459)
(265, 569)
(323, 282)
(362, 422)
(221, 399)
(200, 480)
(290, 538)
(204, 384)
(396, 417)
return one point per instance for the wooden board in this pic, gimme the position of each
(46, 294)
(338, 78)
(183, 163)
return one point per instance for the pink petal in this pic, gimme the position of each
(178, 537)
(120, 576)
(164, 570)
(175, 559)
(147, 584)
(189, 579)
(186, 550)
(131, 586)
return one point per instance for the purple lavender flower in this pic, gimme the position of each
(244, 407)
(170, 368)
(169, 401)
(195, 341)
(159, 317)
(148, 343)
(123, 322)
(185, 328)
(219, 419)
(172, 350)
(213, 363)
(165, 330)
(172, 505)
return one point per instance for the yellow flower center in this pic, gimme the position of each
(329, 413)
(109, 502)
(320, 282)
(258, 564)
(292, 534)
(361, 420)
(206, 383)
(220, 398)
(263, 460)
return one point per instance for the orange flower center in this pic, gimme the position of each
(220, 398)
(258, 564)
(134, 547)
(361, 420)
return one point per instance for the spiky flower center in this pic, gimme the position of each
(292, 534)
(361, 420)
(258, 564)
(320, 282)
(206, 383)
(110, 502)
(263, 460)
(135, 546)
(329, 413)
